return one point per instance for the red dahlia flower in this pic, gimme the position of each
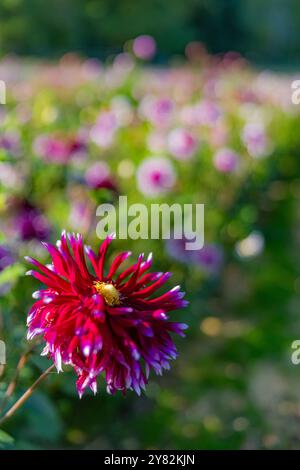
(99, 322)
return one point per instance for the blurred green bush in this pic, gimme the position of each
(265, 31)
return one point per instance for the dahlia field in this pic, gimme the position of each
(156, 346)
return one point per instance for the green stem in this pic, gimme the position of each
(26, 395)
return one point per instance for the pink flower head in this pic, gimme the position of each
(255, 138)
(225, 160)
(144, 47)
(159, 111)
(56, 149)
(52, 149)
(103, 322)
(207, 113)
(155, 176)
(98, 176)
(103, 132)
(182, 144)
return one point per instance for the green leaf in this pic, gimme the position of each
(43, 418)
(11, 273)
(6, 441)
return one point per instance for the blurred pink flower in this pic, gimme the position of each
(81, 214)
(144, 47)
(159, 111)
(123, 63)
(57, 149)
(226, 160)
(206, 113)
(98, 176)
(255, 138)
(103, 132)
(155, 176)
(182, 144)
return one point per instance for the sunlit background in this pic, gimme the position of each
(186, 102)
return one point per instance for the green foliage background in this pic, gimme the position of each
(266, 31)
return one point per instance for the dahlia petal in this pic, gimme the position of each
(149, 290)
(50, 282)
(160, 315)
(102, 253)
(117, 262)
(45, 351)
(129, 285)
(94, 260)
(59, 262)
(146, 278)
(119, 310)
(146, 329)
(93, 387)
(58, 361)
(36, 295)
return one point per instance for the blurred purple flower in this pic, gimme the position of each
(144, 47)
(30, 223)
(176, 249)
(6, 258)
(10, 141)
(155, 176)
(209, 258)
(226, 160)
(181, 144)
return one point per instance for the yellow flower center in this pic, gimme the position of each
(108, 292)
